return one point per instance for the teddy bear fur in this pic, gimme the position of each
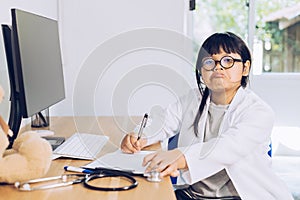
(29, 158)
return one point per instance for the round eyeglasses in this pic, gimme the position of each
(226, 62)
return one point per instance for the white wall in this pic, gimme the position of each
(105, 46)
(46, 8)
(281, 92)
(125, 57)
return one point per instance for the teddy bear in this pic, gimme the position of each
(29, 158)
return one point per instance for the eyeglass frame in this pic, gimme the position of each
(220, 61)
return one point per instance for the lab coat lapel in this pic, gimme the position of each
(203, 119)
(230, 114)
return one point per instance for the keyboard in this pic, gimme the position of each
(82, 146)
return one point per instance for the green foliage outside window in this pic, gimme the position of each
(219, 16)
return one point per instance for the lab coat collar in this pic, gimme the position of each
(237, 99)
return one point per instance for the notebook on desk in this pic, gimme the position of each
(121, 161)
(81, 146)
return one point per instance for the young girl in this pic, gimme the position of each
(224, 131)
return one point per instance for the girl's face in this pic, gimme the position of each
(222, 80)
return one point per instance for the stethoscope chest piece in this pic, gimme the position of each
(154, 176)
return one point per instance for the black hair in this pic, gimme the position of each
(228, 42)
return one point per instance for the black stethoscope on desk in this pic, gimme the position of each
(103, 173)
(87, 180)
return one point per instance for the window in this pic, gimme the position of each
(278, 35)
(218, 16)
(276, 45)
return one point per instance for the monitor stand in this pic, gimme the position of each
(40, 119)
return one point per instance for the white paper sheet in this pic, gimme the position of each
(122, 161)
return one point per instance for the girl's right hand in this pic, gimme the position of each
(130, 144)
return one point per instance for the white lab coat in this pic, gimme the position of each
(241, 148)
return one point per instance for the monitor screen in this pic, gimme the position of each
(38, 60)
(34, 62)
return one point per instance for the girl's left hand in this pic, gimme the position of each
(165, 162)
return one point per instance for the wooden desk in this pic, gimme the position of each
(114, 127)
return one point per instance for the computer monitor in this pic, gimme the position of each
(34, 63)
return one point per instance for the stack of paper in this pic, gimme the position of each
(121, 161)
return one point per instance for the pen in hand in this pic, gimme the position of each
(143, 125)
